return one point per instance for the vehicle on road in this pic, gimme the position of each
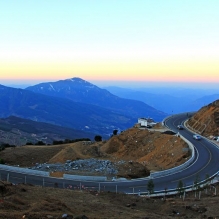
(216, 138)
(197, 137)
(180, 127)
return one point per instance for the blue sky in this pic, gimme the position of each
(108, 40)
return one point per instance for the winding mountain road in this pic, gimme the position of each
(206, 163)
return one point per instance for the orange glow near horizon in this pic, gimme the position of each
(110, 41)
(114, 71)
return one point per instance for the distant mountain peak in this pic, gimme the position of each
(61, 86)
(78, 80)
(75, 79)
(79, 90)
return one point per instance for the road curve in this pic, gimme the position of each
(206, 163)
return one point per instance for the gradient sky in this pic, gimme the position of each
(113, 40)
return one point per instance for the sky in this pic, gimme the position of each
(110, 41)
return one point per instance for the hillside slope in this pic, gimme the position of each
(136, 150)
(60, 111)
(153, 149)
(18, 131)
(37, 202)
(206, 120)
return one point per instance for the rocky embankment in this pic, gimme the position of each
(90, 166)
(206, 120)
(130, 154)
(96, 167)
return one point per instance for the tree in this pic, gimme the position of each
(180, 188)
(115, 132)
(56, 142)
(67, 141)
(2, 161)
(98, 138)
(40, 143)
(207, 182)
(150, 186)
(196, 183)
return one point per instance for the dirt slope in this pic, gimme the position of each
(26, 156)
(75, 151)
(139, 150)
(153, 149)
(206, 120)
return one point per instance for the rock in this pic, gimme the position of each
(49, 216)
(199, 209)
(175, 212)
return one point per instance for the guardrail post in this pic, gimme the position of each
(43, 182)
(8, 177)
(184, 195)
(116, 189)
(80, 186)
(133, 190)
(25, 180)
(99, 187)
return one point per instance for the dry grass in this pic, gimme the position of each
(37, 202)
(29, 155)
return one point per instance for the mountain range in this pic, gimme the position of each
(81, 91)
(171, 100)
(76, 104)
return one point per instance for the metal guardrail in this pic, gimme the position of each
(199, 186)
(85, 178)
(24, 170)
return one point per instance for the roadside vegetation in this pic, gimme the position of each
(34, 202)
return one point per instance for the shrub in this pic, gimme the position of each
(2, 161)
